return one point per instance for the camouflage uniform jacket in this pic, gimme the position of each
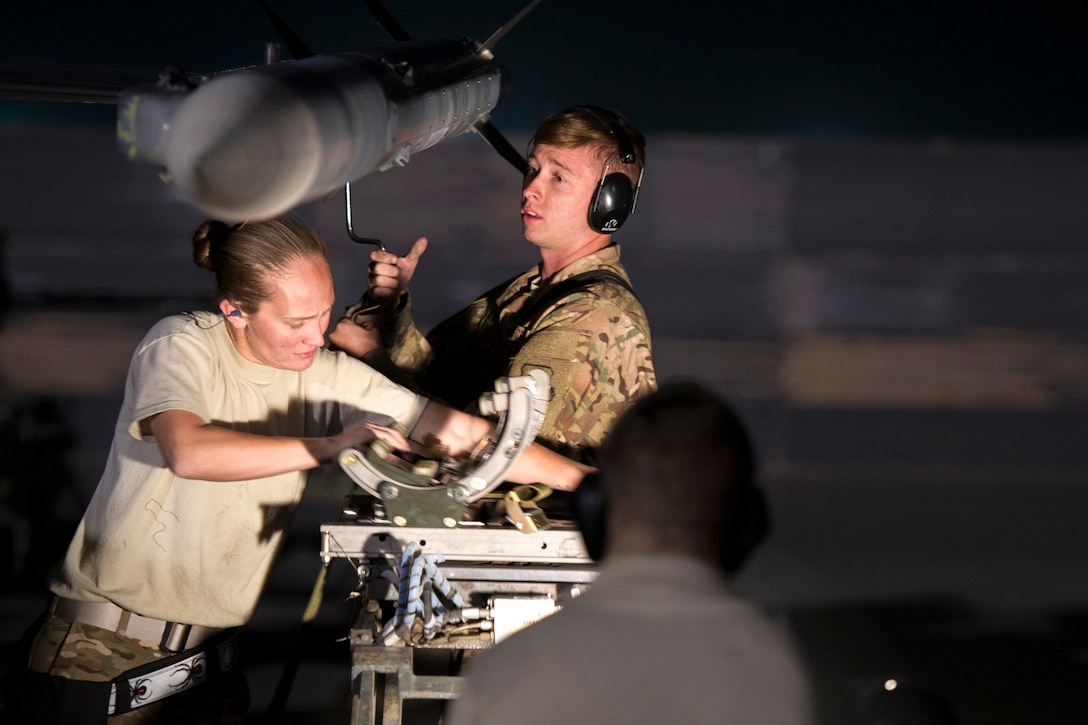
(593, 342)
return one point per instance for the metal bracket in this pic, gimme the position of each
(439, 498)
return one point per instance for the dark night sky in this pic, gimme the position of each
(846, 69)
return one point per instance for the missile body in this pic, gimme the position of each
(254, 143)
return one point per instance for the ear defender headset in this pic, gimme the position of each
(615, 197)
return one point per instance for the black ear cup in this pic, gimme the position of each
(749, 527)
(588, 507)
(615, 197)
(612, 203)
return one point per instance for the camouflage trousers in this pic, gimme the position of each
(75, 651)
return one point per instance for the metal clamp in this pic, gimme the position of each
(417, 495)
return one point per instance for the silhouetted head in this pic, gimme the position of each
(676, 475)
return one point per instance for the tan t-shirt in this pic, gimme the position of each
(199, 551)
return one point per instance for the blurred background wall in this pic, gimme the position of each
(880, 257)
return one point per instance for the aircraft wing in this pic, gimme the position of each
(70, 83)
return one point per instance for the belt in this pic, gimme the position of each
(170, 636)
(158, 680)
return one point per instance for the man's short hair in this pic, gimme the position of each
(677, 458)
(580, 126)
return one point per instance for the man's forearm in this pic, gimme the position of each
(538, 464)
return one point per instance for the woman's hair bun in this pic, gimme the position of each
(207, 239)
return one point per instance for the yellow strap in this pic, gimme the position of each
(528, 493)
(315, 596)
(523, 493)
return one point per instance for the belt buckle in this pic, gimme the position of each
(174, 636)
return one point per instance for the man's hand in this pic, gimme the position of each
(390, 274)
(355, 339)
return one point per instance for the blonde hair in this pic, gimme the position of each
(583, 126)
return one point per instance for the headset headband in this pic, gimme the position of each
(608, 119)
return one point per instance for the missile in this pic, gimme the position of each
(255, 142)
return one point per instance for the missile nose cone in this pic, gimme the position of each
(243, 147)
